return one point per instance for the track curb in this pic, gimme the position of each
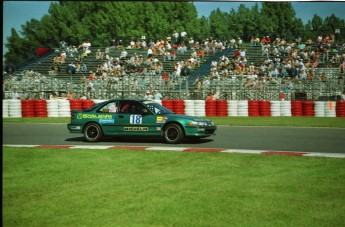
(188, 149)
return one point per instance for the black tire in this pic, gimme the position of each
(173, 134)
(92, 132)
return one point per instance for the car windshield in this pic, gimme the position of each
(157, 108)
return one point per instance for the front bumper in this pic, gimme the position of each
(201, 131)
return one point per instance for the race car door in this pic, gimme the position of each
(134, 118)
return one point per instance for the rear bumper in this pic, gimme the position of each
(75, 128)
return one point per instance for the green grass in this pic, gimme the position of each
(336, 122)
(75, 187)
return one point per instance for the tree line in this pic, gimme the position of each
(100, 22)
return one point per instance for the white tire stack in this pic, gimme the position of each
(285, 109)
(232, 108)
(319, 109)
(64, 108)
(275, 108)
(330, 107)
(5, 108)
(52, 108)
(15, 108)
(242, 108)
(199, 108)
(189, 107)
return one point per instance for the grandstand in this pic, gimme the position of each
(230, 87)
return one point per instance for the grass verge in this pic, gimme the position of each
(76, 187)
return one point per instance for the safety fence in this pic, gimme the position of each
(250, 108)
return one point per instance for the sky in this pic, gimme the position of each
(17, 13)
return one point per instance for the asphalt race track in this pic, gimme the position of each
(326, 140)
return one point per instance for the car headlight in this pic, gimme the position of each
(197, 123)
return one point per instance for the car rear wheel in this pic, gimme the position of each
(173, 134)
(92, 132)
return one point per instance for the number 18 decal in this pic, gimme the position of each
(136, 119)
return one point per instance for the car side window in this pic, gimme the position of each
(111, 107)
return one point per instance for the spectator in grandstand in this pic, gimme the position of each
(183, 36)
(165, 77)
(148, 96)
(83, 97)
(83, 67)
(52, 70)
(99, 54)
(323, 77)
(232, 42)
(53, 96)
(157, 95)
(70, 95)
(71, 68)
(209, 96)
(63, 45)
(175, 36)
(310, 75)
(15, 94)
(342, 97)
(239, 43)
(113, 44)
(123, 54)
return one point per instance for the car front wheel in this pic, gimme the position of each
(92, 132)
(173, 134)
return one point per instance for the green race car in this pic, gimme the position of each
(137, 118)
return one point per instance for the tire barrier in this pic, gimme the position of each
(221, 108)
(242, 108)
(40, 108)
(211, 108)
(178, 106)
(232, 108)
(330, 110)
(296, 108)
(275, 108)
(264, 108)
(87, 103)
(53, 108)
(5, 108)
(340, 108)
(285, 109)
(253, 108)
(189, 107)
(64, 109)
(308, 108)
(168, 104)
(13, 108)
(319, 109)
(200, 108)
(28, 108)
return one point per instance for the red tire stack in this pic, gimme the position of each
(87, 103)
(296, 108)
(28, 108)
(76, 104)
(265, 108)
(221, 108)
(308, 108)
(40, 107)
(340, 109)
(168, 104)
(253, 108)
(211, 107)
(178, 106)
